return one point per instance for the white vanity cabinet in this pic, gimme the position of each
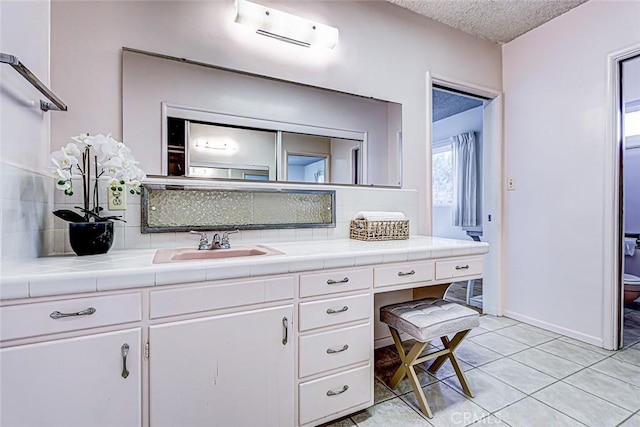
(232, 369)
(88, 379)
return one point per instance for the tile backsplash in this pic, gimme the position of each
(26, 199)
(349, 201)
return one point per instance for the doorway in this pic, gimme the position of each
(489, 191)
(457, 141)
(629, 107)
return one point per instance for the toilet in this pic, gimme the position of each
(631, 282)
(631, 287)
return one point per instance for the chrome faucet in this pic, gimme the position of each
(216, 241)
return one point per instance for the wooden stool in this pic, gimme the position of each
(425, 320)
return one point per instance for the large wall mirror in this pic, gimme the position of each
(198, 120)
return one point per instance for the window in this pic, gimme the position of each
(442, 175)
(632, 123)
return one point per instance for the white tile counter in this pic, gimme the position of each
(71, 274)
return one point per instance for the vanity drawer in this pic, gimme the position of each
(173, 302)
(459, 268)
(334, 281)
(328, 312)
(408, 272)
(30, 320)
(336, 393)
(330, 350)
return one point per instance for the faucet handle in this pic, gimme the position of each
(225, 235)
(225, 244)
(204, 240)
(203, 236)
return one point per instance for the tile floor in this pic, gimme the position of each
(521, 376)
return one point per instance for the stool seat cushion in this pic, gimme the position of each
(429, 318)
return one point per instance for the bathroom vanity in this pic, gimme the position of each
(279, 340)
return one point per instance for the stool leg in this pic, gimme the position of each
(402, 370)
(451, 346)
(407, 369)
(417, 389)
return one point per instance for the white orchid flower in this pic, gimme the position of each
(81, 139)
(72, 150)
(62, 160)
(63, 179)
(113, 182)
(63, 185)
(61, 174)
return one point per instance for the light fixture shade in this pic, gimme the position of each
(284, 26)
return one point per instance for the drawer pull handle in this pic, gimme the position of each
(335, 393)
(462, 267)
(332, 351)
(88, 312)
(407, 273)
(285, 332)
(125, 352)
(334, 282)
(342, 310)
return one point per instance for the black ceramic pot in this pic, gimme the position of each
(91, 238)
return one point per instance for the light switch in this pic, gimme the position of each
(511, 184)
(117, 199)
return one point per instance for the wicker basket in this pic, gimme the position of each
(361, 229)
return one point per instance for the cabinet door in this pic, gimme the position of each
(231, 370)
(72, 382)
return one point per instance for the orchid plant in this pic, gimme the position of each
(112, 161)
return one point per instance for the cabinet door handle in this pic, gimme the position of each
(342, 310)
(125, 352)
(462, 267)
(332, 351)
(285, 332)
(88, 312)
(335, 282)
(335, 393)
(407, 273)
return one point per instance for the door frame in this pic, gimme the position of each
(493, 299)
(613, 223)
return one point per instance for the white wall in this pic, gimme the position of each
(467, 121)
(555, 83)
(26, 229)
(341, 160)
(384, 52)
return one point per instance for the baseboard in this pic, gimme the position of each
(589, 339)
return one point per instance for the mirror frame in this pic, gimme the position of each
(216, 118)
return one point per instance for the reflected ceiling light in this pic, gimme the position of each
(284, 26)
(216, 145)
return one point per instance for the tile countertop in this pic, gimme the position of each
(70, 274)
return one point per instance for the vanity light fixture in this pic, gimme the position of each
(284, 26)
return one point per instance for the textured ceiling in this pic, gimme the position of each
(447, 104)
(497, 20)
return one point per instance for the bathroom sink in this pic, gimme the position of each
(189, 254)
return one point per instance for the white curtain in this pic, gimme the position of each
(465, 180)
